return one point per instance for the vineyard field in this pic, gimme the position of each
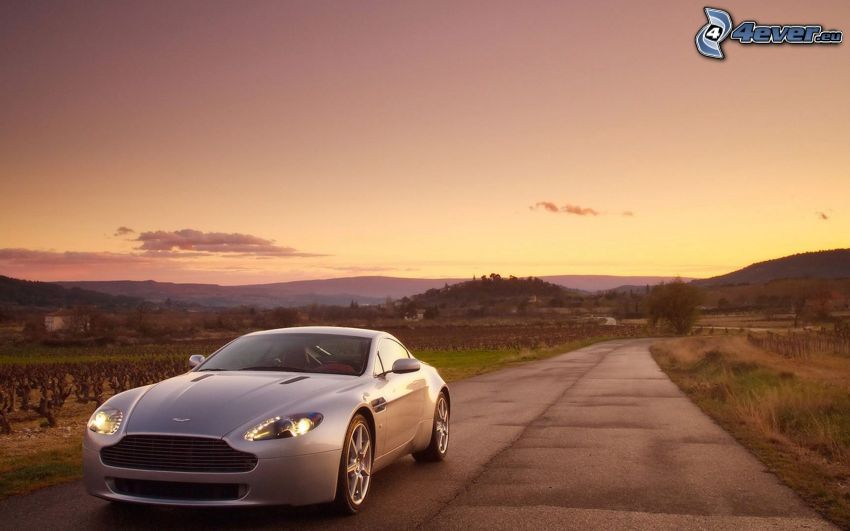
(37, 381)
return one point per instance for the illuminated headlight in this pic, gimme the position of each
(106, 421)
(283, 427)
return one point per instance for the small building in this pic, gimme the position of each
(417, 316)
(54, 322)
(66, 320)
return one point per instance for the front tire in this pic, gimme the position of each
(355, 467)
(439, 446)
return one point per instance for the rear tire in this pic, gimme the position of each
(439, 445)
(355, 467)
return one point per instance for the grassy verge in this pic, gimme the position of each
(459, 364)
(41, 467)
(38, 457)
(793, 414)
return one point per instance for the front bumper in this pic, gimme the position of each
(290, 480)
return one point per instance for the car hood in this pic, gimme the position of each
(214, 404)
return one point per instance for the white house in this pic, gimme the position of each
(65, 320)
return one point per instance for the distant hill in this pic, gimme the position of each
(49, 295)
(375, 289)
(630, 288)
(495, 293)
(364, 289)
(493, 289)
(593, 283)
(819, 264)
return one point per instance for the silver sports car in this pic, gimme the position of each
(294, 416)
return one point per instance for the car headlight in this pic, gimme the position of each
(106, 421)
(283, 427)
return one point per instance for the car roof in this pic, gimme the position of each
(337, 330)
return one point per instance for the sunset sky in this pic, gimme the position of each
(241, 142)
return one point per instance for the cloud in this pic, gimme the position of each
(75, 265)
(18, 256)
(183, 256)
(190, 241)
(546, 205)
(81, 265)
(123, 231)
(576, 210)
(822, 215)
(170, 266)
(579, 211)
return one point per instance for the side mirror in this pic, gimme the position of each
(196, 360)
(406, 365)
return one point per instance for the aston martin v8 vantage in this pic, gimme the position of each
(294, 416)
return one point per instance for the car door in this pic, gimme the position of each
(404, 393)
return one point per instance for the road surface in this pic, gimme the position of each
(598, 438)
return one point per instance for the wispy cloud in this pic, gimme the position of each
(576, 210)
(182, 255)
(545, 205)
(33, 257)
(123, 231)
(187, 241)
(50, 265)
(82, 265)
(579, 211)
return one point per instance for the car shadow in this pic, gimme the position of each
(133, 516)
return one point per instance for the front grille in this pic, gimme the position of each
(177, 453)
(171, 490)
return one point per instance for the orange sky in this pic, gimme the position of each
(311, 140)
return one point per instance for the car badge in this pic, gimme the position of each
(178, 419)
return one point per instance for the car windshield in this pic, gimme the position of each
(311, 353)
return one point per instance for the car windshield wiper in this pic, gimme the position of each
(267, 368)
(210, 370)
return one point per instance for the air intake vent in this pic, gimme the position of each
(177, 453)
(169, 490)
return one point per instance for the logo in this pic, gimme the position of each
(178, 419)
(715, 32)
(719, 27)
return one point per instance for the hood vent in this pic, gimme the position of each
(293, 380)
(199, 378)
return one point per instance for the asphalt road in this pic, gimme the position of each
(598, 438)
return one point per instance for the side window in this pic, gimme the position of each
(389, 351)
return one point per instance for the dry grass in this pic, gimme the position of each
(36, 456)
(746, 320)
(794, 414)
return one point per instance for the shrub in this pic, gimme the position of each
(674, 305)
